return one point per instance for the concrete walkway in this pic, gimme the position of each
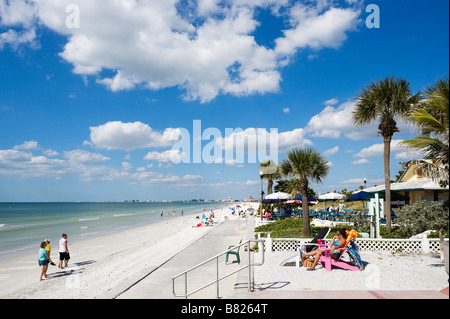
(157, 282)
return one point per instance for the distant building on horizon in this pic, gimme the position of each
(249, 199)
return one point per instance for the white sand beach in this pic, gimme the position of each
(103, 267)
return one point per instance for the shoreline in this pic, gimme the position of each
(103, 266)
(29, 247)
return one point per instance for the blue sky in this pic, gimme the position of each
(90, 112)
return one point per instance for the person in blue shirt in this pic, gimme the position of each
(43, 260)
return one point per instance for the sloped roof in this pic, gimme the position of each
(411, 185)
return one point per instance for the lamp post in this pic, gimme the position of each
(365, 183)
(261, 174)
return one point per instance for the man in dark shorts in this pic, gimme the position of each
(63, 251)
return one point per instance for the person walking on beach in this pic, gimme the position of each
(49, 249)
(43, 260)
(63, 252)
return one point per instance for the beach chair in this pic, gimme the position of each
(231, 252)
(353, 252)
(328, 262)
(308, 247)
(312, 245)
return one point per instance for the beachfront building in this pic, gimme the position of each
(416, 182)
(249, 199)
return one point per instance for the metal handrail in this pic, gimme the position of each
(218, 279)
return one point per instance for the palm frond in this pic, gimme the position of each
(382, 101)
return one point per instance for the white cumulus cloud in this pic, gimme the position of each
(203, 47)
(361, 161)
(82, 156)
(165, 157)
(398, 150)
(130, 136)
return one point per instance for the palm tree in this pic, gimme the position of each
(384, 101)
(432, 119)
(305, 164)
(292, 187)
(270, 170)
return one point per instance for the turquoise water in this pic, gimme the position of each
(23, 226)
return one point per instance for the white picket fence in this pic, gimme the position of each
(424, 245)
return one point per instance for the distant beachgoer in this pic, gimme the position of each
(63, 252)
(182, 213)
(43, 260)
(49, 249)
(174, 213)
(162, 213)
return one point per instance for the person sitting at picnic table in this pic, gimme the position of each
(267, 214)
(338, 241)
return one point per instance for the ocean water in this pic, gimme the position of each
(23, 226)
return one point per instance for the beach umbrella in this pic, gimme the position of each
(292, 201)
(310, 198)
(394, 196)
(331, 196)
(270, 201)
(278, 196)
(362, 195)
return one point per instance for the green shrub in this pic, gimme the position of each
(291, 228)
(286, 228)
(421, 216)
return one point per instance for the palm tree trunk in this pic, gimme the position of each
(269, 186)
(387, 181)
(305, 209)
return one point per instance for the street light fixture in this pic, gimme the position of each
(261, 175)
